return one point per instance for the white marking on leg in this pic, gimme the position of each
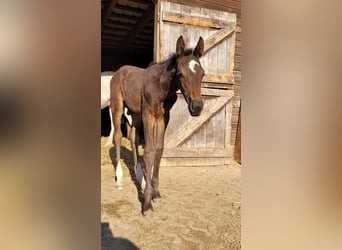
(119, 175)
(192, 65)
(140, 176)
(128, 117)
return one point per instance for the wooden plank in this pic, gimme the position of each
(115, 32)
(217, 92)
(185, 30)
(195, 152)
(182, 18)
(211, 92)
(107, 11)
(211, 127)
(228, 6)
(132, 11)
(237, 150)
(111, 38)
(116, 25)
(218, 85)
(124, 19)
(194, 124)
(205, 33)
(194, 162)
(218, 82)
(157, 28)
(222, 54)
(179, 116)
(212, 52)
(217, 37)
(219, 132)
(228, 117)
(218, 78)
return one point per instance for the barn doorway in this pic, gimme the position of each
(127, 37)
(127, 33)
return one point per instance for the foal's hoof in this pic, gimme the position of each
(118, 186)
(156, 196)
(147, 209)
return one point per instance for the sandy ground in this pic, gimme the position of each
(200, 208)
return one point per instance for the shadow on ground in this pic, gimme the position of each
(109, 242)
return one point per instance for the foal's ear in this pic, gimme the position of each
(180, 46)
(198, 51)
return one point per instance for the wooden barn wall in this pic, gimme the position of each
(233, 6)
(196, 141)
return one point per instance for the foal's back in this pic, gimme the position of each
(127, 84)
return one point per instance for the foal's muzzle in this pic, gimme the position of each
(195, 107)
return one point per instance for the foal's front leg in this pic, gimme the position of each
(149, 156)
(159, 146)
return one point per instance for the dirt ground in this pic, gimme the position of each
(200, 208)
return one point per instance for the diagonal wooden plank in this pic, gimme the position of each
(217, 37)
(195, 124)
(221, 78)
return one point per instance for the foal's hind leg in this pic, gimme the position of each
(134, 138)
(117, 110)
(110, 137)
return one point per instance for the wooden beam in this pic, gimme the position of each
(116, 25)
(217, 92)
(115, 32)
(144, 2)
(107, 11)
(226, 5)
(218, 78)
(211, 41)
(137, 28)
(130, 10)
(183, 134)
(195, 152)
(195, 21)
(110, 37)
(123, 19)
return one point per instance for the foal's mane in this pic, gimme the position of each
(172, 59)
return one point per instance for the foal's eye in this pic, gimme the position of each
(179, 74)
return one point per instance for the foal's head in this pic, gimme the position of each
(190, 74)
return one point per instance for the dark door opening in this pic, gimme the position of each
(127, 38)
(127, 33)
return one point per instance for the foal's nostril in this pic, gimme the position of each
(196, 107)
(193, 106)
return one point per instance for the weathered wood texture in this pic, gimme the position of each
(232, 6)
(237, 150)
(216, 27)
(203, 140)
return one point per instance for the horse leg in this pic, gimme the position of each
(117, 110)
(149, 156)
(110, 137)
(134, 138)
(159, 145)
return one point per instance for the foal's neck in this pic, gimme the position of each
(167, 80)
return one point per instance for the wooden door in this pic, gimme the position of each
(202, 140)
